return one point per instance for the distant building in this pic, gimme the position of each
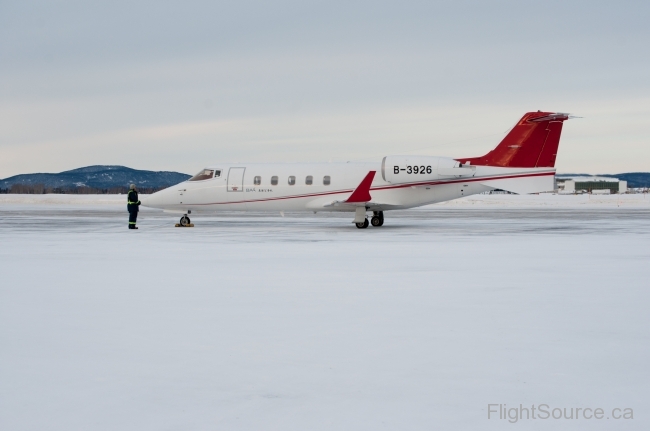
(594, 185)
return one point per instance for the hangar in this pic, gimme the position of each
(590, 184)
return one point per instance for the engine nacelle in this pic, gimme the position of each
(410, 169)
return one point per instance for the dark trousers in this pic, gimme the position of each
(133, 216)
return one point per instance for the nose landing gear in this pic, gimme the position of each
(185, 222)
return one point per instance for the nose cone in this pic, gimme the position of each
(146, 201)
(156, 200)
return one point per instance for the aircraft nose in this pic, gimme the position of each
(163, 199)
(152, 201)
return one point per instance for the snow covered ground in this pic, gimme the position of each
(541, 200)
(303, 322)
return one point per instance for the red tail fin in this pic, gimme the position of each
(532, 143)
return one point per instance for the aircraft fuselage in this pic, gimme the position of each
(325, 186)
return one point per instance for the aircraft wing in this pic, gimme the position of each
(359, 197)
(352, 205)
(362, 193)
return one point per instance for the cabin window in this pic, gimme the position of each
(205, 174)
(274, 180)
(217, 173)
(257, 180)
(327, 180)
(309, 180)
(292, 180)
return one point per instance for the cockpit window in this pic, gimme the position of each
(217, 173)
(205, 174)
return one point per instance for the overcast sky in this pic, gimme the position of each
(179, 85)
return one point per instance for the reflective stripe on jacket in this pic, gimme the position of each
(132, 203)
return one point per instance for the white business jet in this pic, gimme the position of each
(522, 163)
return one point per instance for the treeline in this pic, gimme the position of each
(40, 189)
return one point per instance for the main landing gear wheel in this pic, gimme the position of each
(185, 221)
(363, 225)
(377, 219)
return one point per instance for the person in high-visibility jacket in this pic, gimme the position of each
(133, 205)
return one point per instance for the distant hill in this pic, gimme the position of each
(106, 179)
(634, 179)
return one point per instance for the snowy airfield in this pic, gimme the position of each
(303, 322)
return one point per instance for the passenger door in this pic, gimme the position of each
(236, 179)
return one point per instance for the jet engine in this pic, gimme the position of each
(412, 169)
